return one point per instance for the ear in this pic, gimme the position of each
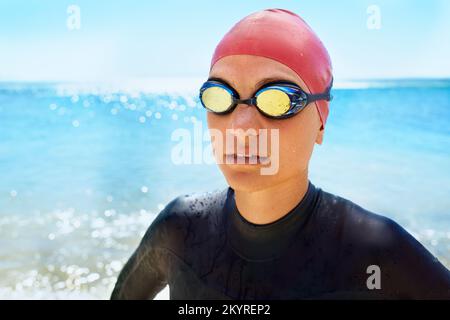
(319, 137)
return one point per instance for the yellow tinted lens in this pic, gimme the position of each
(216, 99)
(273, 102)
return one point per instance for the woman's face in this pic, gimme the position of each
(289, 155)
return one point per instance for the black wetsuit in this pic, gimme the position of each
(203, 248)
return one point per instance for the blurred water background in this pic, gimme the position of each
(84, 169)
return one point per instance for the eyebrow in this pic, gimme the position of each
(257, 85)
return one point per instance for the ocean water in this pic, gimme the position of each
(84, 169)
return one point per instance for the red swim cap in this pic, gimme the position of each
(283, 36)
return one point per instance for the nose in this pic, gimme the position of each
(245, 117)
(245, 125)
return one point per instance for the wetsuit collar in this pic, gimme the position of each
(261, 242)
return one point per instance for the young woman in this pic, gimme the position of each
(275, 235)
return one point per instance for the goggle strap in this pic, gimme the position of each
(322, 96)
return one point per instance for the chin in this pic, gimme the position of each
(249, 180)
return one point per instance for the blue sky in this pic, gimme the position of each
(139, 39)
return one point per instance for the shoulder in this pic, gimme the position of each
(366, 238)
(184, 215)
(359, 226)
(358, 223)
(364, 233)
(193, 205)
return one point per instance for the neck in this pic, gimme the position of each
(268, 205)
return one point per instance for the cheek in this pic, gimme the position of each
(212, 120)
(217, 126)
(215, 122)
(296, 144)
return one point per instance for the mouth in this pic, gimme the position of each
(237, 159)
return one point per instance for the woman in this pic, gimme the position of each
(274, 235)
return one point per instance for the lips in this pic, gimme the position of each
(245, 159)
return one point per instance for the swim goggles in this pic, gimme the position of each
(277, 100)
